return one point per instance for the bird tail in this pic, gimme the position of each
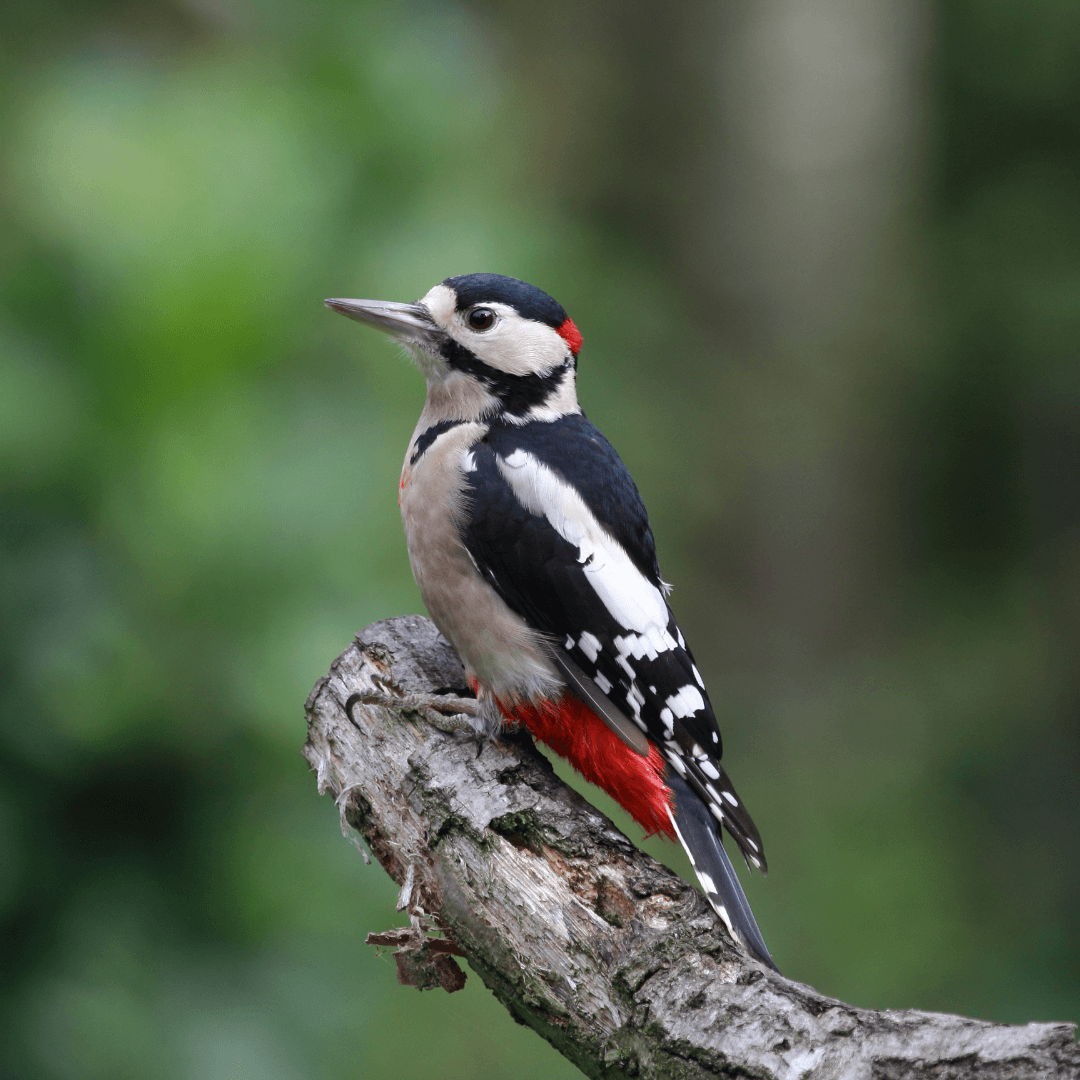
(699, 835)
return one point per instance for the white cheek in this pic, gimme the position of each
(517, 346)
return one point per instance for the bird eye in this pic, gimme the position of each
(481, 318)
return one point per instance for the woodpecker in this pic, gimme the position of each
(535, 558)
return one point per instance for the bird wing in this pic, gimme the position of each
(557, 526)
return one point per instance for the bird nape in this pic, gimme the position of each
(534, 556)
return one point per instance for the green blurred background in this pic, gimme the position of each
(825, 255)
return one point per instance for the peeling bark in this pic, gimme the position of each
(608, 955)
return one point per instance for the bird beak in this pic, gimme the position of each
(407, 322)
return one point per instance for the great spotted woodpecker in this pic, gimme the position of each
(533, 553)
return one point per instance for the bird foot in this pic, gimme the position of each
(447, 712)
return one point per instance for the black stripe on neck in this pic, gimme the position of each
(516, 393)
(429, 435)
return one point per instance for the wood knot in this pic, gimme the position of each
(422, 961)
(612, 904)
(377, 656)
(426, 973)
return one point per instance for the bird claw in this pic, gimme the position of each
(446, 712)
(451, 723)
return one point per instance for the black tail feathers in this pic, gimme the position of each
(700, 836)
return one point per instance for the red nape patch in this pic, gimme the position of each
(576, 733)
(571, 335)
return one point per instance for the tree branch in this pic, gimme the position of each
(615, 960)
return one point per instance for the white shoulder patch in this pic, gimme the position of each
(630, 598)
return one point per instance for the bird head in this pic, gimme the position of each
(484, 332)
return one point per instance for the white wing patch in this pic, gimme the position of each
(589, 645)
(653, 642)
(686, 702)
(679, 765)
(630, 598)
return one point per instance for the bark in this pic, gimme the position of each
(608, 955)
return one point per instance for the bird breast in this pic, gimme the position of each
(507, 658)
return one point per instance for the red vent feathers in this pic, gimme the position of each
(571, 335)
(576, 733)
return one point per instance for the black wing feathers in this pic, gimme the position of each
(530, 565)
(575, 449)
(537, 572)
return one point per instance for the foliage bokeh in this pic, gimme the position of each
(867, 495)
